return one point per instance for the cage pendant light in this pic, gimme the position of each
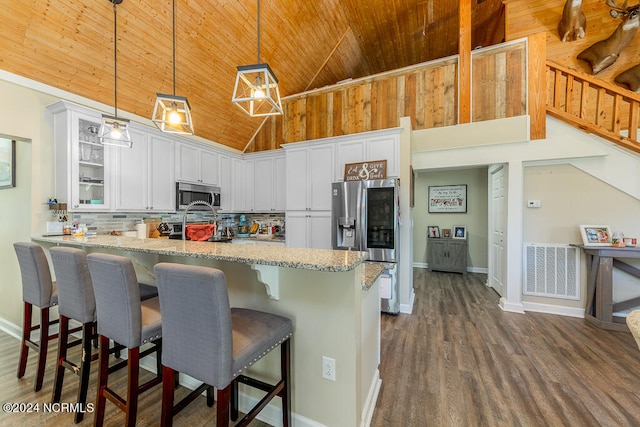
(115, 130)
(172, 113)
(256, 90)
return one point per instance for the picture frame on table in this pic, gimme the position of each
(446, 233)
(433, 231)
(459, 232)
(595, 235)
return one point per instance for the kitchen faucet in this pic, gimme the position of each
(196, 203)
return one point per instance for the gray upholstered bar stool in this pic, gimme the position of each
(75, 301)
(206, 339)
(126, 320)
(37, 290)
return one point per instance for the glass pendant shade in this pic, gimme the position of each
(256, 91)
(115, 131)
(172, 114)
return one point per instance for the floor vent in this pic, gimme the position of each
(551, 270)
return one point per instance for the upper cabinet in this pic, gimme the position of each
(82, 164)
(264, 181)
(309, 174)
(377, 145)
(197, 164)
(144, 174)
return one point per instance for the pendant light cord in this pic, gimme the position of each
(258, 31)
(174, 45)
(115, 59)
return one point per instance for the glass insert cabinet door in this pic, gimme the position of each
(90, 161)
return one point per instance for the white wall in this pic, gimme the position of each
(23, 208)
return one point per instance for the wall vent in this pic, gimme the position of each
(551, 270)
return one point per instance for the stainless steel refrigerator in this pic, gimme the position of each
(365, 218)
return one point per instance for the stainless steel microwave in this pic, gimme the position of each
(187, 192)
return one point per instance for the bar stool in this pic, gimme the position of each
(37, 290)
(126, 320)
(75, 301)
(222, 342)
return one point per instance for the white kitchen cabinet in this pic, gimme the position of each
(144, 174)
(82, 164)
(248, 194)
(197, 164)
(309, 176)
(308, 229)
(239, 185)
(377, 145)
(265, 182)
(280, 183)
(230, 186)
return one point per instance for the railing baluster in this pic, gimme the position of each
(610, 103)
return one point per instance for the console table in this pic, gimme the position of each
(600, 306)
(445, 254)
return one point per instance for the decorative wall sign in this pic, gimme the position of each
(448, 199)
(7, 163)
(375, 169)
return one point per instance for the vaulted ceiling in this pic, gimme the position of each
(68, 44)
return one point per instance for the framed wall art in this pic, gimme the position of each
(595, 235)
(7, 163)
(459, 232)
(448, 198)
(446, 232)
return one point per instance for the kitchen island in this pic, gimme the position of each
(328, 295)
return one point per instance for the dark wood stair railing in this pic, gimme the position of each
(593, 105)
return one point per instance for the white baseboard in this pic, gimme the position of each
(553, 309)
(469, 269)
(372, 398)
(408, 308)
(510, 307)
(11, 329)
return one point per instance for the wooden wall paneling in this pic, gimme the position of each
(337, 113)
(537, 54)
(401, 99)
(451, 89)
(464, 51)
(410, 98)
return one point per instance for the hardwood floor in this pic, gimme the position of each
(459, 360)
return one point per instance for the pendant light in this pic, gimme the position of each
(114, 130)
(256, 90)
(172, 113)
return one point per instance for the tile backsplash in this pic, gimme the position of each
(104, 223)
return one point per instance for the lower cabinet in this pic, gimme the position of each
(308, 229)
(447, 255)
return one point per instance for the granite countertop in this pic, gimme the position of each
(370, 273)
(309, 259)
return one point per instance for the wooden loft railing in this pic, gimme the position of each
(593, 105)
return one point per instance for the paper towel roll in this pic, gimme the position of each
(142, 231)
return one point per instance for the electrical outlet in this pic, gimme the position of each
(328, 368)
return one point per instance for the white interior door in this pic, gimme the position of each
(497, 238)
